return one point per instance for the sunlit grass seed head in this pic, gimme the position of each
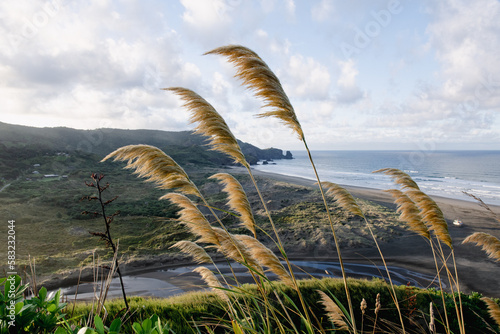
(210, 124)
(489, 244)
(431, 214)
(333, 311)
(399, 177)
(234, 249)
(363, 306)
(409, 213)
(493, 309)
(266, 258)
(192, 217)
(237, 199)
(258, 77)
(342, 197)
(378, 305)
(155, 166)
(197, 252)
(212, 281)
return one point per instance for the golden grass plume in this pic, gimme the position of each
(431, 214)
(493, 309)
(234, 249)
(197, 252)
(409, 213)
(192, 217)
(258, 77)
(489, 243)
(210, 124)
(212, 281)
(155, 166)
(266, 258)
(237, 199)
(342, 198)
(399, 177)
(333, 311)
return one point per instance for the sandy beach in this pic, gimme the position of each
(169, 276)
(476, 271)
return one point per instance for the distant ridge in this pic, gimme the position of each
(184, 146)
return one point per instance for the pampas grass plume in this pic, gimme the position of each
(196, 251)
(493, 309)
(210, 124)
(233, 248)
(399, 177)
(266, 258)
(258, 77)
(333, 311)
(237, 199)
(342, 198)
(489, 243)
(155, 166)
(409, 213)
(431, 214)
(212, 281)
(192, 217)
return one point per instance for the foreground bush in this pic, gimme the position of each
(208, 310)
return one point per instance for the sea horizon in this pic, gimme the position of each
(445, 173)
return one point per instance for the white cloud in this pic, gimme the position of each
(349, 92)
(278, 47)
(465, 36)
(305, 77)
(82, 64)
(322, 10)
(106, 60)
(207, 16)
(290, 8)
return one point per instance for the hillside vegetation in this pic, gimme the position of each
(21, 147)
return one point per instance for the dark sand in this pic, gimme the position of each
(475, 270)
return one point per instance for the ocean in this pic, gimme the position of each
(442, 173)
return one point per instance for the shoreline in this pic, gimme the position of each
(363, 192)
(476, 271)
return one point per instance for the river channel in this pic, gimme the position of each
(169, 282)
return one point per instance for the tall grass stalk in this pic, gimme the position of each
(348, 203)
(337, 244)
(255, 312)
(257, 76)
(213, 126)
(431, 214)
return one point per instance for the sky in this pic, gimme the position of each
(361, 74)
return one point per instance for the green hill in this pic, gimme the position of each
(21, 147)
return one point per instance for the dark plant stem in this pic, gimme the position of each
(108, 238)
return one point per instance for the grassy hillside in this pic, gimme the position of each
(48, 210)
(21, 147)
